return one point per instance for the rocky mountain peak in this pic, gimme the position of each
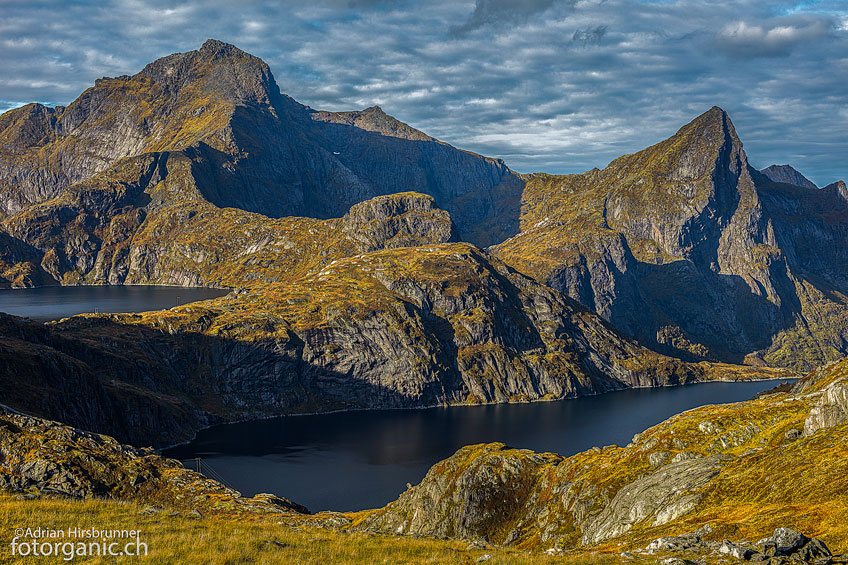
(691, 154)
(713, 127)
(216, 49)
(838, 189)
(218, 69)
(787, 174)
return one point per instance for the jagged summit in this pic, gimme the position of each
(217, 70)
(217, 49)
(787, 174)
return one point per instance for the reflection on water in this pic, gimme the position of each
(357, 460)
(56, 302)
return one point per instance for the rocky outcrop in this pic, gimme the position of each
(690, 250)
(831, 409)
(728, 472)
(787, 175)
(40, 456)
(784, 545)
(658, 498)
(398, 220)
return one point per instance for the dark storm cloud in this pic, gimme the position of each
(589, 35)
(489, 12)
(550, 85)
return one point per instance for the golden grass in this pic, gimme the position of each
(179, 539)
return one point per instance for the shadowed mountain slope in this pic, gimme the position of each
(251, 147)
(687, 248)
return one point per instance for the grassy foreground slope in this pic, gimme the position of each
(741, 470)
(180, 539)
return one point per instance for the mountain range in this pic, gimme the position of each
(373, 265)
(370, 265)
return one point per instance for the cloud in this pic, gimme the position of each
(776, 39)
(517, 83)
(496, 12)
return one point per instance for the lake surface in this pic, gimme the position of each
(363, 459)
(57, 302)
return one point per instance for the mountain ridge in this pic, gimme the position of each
(384, 305)
(691, 213)
(259, 149)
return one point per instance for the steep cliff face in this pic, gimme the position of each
(718, 472)
(250, 146)
(687, 248)
(481, 194)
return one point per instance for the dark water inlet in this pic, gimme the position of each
(363, 459)
(57, 302)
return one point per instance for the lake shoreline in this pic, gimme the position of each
(161, 450)
(349, 460)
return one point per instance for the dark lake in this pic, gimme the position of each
(56, 302)
(363, 459)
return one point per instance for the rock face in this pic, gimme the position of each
(730, 471)
(47, 457)
(687, 248)
(832, 407)
(399, 220)
(658, 498)
(787, 175)
(250, 146)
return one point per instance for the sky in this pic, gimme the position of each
(558, 86)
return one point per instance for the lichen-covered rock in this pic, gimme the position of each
(480, 492)
(398, 220)
(47, 457)
(784, 546)
(658, 497)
